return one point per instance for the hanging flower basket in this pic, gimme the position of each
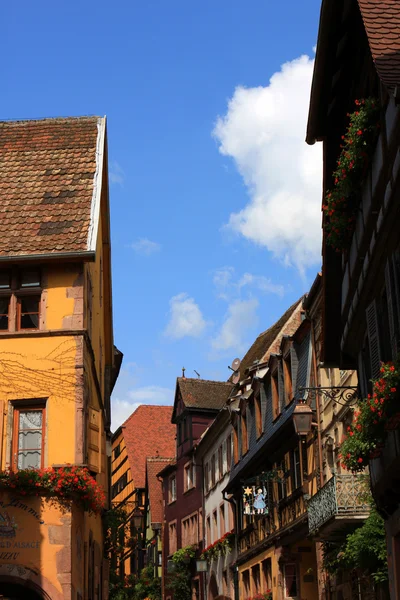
(375, 416)
(342, 201)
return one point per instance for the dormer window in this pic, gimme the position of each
(20, 293)
(287, 377)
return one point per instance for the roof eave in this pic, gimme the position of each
(85, 256)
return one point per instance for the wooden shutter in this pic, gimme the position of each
(392, 308)
(94, 440)
(281, 386)
(295, 365)
(373, 339)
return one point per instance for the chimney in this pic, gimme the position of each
(183, 372)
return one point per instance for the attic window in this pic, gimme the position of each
(20, 294)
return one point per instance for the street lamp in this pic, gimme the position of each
(201, 566)
(137, 517)
(302, 419)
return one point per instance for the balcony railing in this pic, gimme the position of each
(340, 499)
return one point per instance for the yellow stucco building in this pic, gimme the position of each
(58, 363)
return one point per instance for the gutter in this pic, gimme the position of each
(88, 256)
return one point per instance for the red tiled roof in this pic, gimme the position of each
(148, 432)
(154, 466)
(50, 184)
(202, 393)
(382, 24)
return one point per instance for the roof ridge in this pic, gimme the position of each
(28, 120)
(201, 380)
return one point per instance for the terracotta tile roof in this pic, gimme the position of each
(148, 432)
(262, 344)
(201, 393)
(154, 466)
(382, 24)
(49, 184)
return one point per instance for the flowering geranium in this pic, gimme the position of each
(372, 420)
(66, 484)
(341, 201)
(262, 596)
(221, 546)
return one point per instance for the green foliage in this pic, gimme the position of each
(147, 585)
(372, 420)
(364, 549)
(340, 205)
(179, 579)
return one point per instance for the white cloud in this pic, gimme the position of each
(241, 316)
(145, 247)
(185, 318)
(116, 173)
(264, 284)
(122, 408)
(228, 286)
(264, 132)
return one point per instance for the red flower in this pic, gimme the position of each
(359, 460)
(359, 132)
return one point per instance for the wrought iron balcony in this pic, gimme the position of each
(338, 504)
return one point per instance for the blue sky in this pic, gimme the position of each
(215, 197)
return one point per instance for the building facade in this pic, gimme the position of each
(214, 453)
(57, 357)
(273, 468)
(147, 432)
(197, 403)
(361, 275)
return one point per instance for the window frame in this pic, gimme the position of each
(286, 596)
(24, 406)
(171, 499)
(287, 376)
(275, 393)
(15, 292)
(189, 467)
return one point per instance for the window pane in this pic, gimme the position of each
(5, 280)
(30, 440)
(4, 302)
(30, 312)
(30, 279)
(30, 419)
(29, 460)
(290, 580)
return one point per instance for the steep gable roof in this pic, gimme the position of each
(382, 23)
(154, 486)
(148, 432)
(50, 185)
(258, 350)
(202, 393)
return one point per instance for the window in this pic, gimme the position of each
(255, 573)
(215, 525)
(20, 293)
(287, 377)
(257, 405)
(172, 538)
(117, 451)
(28, 438)
(275, 394)
(208, 531)
(267, 573)
(207, 476)
(296, 469)
(213, 470)
(222, 519)
(246, 583)
(172, 489)
(282, 487)
(225, 465)
(245, 441)
(119, 485)
(290, 576)
(229, 443)
(189, 477)
(220, 463)
(235, 445)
